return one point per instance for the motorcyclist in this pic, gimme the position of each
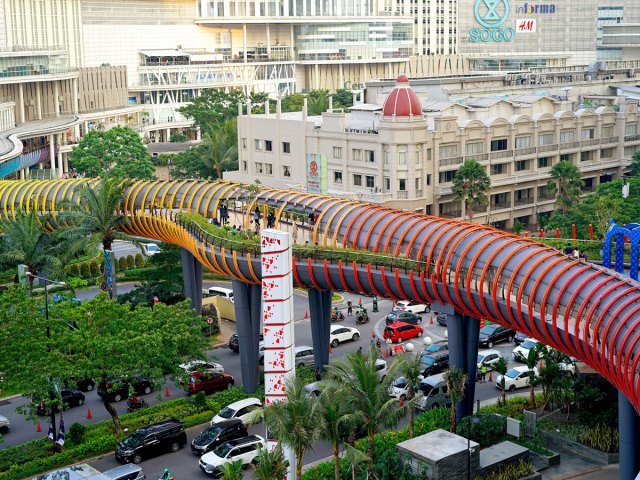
(166, 475)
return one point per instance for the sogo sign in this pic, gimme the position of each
(491, 14)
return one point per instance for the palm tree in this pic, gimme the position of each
(232, 470)
(501, 367)
(471, 185)
(566, 183)
(295, 422)
(456, 381)
(532, 358)
(220, 145)
(336, 422)
(369, 400)
(27, 243)
(410, 369)
(271, 465)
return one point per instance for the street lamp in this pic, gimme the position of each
(52, 414)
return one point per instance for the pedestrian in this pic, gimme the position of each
(576, 253)
(225, 214)
(379, 346)
(256, 217)
(583, 256)
(483, 373)
(312, 219)
(294, 233)
(221, 212)
(360, 351)
(568, 250)
(318, 377)
(349, 308)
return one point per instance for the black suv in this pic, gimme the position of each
(218, 434)
(406, 317)
(433, 363)
(70, 398)
(152, 440)
(118, 389)
(492, 334)
(234, 343)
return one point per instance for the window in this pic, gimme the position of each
(369, 156)
(586, 134)
(428, 154)
(268, 168)
(257, 144)
(258, 168)
(357, 180)
(545, 139)
(402, 184)
(337, 177)
(448, 151)
(566, 136)
(585, 156)
(629, 151)
(268, 146)
(418, 157)
(522, 165)
(402, 157)
(606, 131)
(475, 148)
(498, 145)
(387, 157)
(447, 176)
(428, 180)
(544, 162)
(357, 154)
(498, 169)
(631, 129)
(371, 182)
(387, 183)
(523, 142)
(417, 184)
(286, 171)
(286, 147)
(337, 152)
(566, 157)
(244, 143)
(606, 153)
(244, 165)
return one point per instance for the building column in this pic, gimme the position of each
(76, 96)
(21, 102)
(244, 40)
(39, 100)
(52, 156)
(292, 42)
(56, 98)
(198, 134)
(462, 337)
(192, 273)
(60, 155)
(22, 174)
(76, 133)
(65, 160)
(320, 316)
(168, 135)
(629, 434)
(316, 80)
(268, 41)
(247, 307)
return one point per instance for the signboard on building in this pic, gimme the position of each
(316, 173)
(491, 15)
(526, 25)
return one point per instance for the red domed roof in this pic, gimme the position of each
(402, 101)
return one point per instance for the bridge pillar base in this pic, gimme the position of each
(463, 347)
(629, 435)
(192, 273)
(320, 316)
(248, 314)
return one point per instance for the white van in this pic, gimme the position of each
(433, 393)
(226, 293)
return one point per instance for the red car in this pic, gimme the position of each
(208, 382)
(400, 331)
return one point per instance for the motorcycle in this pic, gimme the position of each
(337, 316)
(133, 406)
(362, 318)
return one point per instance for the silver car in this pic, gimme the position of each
(4, 424)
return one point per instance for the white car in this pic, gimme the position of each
(517, 377)
(194, 365)
(243, 449)
(521, 352)
(247, 410)
(398, 389)
(488, 358)
(381, 369)
(223, 292)
(150, 249)
(4, 424)
(340, 334)
(413, 307)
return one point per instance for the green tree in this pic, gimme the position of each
(296, 421)
(410, 369)
(178, 138)
(343, 98)
(501, 368)
(215, 105)
(221, 146)
(566, 183)
(531, 359)
(337, 419)
(115, 153)
(231, 470)
(456, 381)
(635, 164)
(191, 164)
(356, 377)
(271, 465)
(471, 185)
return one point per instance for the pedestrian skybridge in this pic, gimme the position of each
(581, 309)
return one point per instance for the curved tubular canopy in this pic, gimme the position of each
(586, 311)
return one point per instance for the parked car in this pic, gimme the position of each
(437, 347)
(492, 334)
(381, 369)
(303, 356)
(70, 398)
(225, 293)
(441, 318)
(234, 342)
(201, 365)
(208, 382)
(413, 307)
(4, 424)
(218, 434)
(433, 363)
(125, 472)
(243, 449)
(432, 393)
(521, 352)
(340, 334)
(246, 410)
(314, 388)
(119, 389)
(399, 332)
(405, 317)
(519, 338)
(398, 389)
(150, 441)
(150, 249)
(84, 384)
(517, 377)
(488, 358)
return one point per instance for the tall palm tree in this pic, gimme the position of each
(336, 420)
(409, 368)
(471, 184)
(501, 367)
(271, 465)
(456, 381)
(566, 183)
(26, 242)
(369, 400)
(532, 358)
(295, 422)
(232, 470)
(220, 146)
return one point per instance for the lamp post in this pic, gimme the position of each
(52, 414)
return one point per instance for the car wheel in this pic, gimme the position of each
(136, 459)
(355, 337)
(229, 385)
(80, 401)
(4, 430)
(419, 319)
(510, 339)
(435, 405)
(300, 365)
(147, 390)
(334, 344)
(512, 388)
(89, 387)
(117, 397)
(419, 334)
(399, 340)
(427, 309)
(175, 446)
(490, 344)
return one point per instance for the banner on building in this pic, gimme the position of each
(316, 173)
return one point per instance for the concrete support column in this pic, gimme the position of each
(268, 41)
(192, 273)
(21, 102)
(248, 314)
(629, 434)
(56, 98)
(22, 177)
(76, 96)
(38, 100)
(320, 316)
(76, 132)
(463, 353)
(52, 156)
(244, 40)
(65, 159)
(198, 134)
(60, 167)
(167, 135)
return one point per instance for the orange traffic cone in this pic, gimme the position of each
(386, 353)
(490, 376)
(330, 349)
(166, 392)
(89, 416)
(38, 428)
(360, 302)
(430, 319)
(306, 314)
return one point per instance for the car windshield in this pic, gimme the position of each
(227, 412)
(428, 360)
(480, 357)
(400, 382)
(392, 316)
(388, 331)
(434, 347)
(528, 344)
(133, 441)
(210, 433)
(426, 388)
(513, 373)
(153, 248)
(488, 329)
(223, 449)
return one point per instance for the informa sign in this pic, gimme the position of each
(316, 173)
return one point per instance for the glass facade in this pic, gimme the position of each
(23, 66)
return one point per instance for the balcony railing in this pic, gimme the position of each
(525, 151)
(501, 205)
(548, 148)
(632, 138)
(501, 154)
(568, 145)
(588, 188)
(545, 197)
(610, 140)
(480, 157)
(519, 202)
(450, 161)
(451, 214)
(403, 194)
(590, 142)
